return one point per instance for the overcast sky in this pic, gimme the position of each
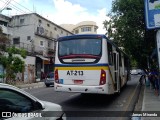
(62, 11)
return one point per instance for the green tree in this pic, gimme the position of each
(127, 28)
(4, 41)
(10, 61)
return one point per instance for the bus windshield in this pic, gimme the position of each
(80, 47)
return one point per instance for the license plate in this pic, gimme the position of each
(77, 82)
(75, 73)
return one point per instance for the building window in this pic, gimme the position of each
(49, 44)
(28, 37)
(55, 28)
(110, 54)
(76, 31)
(85, 29)
(21, 21)
(48, 25)
(16, 40)
(95, 29)
(40, 21)
(42, 43)
(61, 31)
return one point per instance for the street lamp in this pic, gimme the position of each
(7, 8)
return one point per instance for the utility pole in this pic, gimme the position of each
(152, 15)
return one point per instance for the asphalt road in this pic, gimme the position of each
(96, 107)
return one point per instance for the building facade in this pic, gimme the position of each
(84, 27)
(38, 36)
(34, 30)
(4, 24)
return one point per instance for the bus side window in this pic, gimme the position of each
(120, 60)
(110, 60)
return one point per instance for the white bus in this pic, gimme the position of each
(90, 64)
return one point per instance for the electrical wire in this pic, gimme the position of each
(22, 6)
(15, 6)
(5, 5)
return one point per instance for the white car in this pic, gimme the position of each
(134, 72)
(16, 104)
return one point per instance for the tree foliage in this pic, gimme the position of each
(3, 42)
(127, 28)
(10, 60)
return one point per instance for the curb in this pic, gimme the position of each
(31, 86)
(133, 101)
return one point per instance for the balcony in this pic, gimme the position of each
(27, 47)
(44, 33)
(51, 52)
(6, 30)
(36, 50)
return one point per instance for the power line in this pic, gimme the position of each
(15, 7)
(5, 5)
(22, 6)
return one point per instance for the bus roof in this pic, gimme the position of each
(81, 36)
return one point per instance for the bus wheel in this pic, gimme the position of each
(125, 84)
(119, 85)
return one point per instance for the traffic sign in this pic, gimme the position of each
(152, 13)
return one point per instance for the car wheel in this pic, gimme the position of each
(47, 85)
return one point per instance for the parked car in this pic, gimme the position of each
(49, 80)
(134, 72)
(141, 72)
(15, 101)
(137, 72)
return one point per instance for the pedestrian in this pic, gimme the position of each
(151, 78)
(154, 78)
(141, 80)
(156, 82)
(42, 75)
(147, 77)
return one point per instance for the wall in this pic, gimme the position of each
(29, 73)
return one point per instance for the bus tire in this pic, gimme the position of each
(119, 85)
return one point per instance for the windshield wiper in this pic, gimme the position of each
(79, 56)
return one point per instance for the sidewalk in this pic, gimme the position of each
(151, 104)
(32, 85)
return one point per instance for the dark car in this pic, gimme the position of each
(49, 80)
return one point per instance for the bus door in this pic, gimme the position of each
(116, 70)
